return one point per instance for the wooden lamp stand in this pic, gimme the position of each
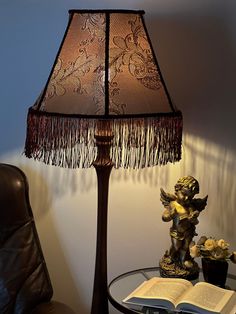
(103, 165)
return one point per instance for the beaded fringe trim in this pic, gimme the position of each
(69, 141)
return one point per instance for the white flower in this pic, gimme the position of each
(194, 251)
(212, 248)
(210, 244)
(223, 244)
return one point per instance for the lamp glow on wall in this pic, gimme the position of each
(106, 105)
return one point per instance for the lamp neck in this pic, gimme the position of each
(103, 165)
(103, 143)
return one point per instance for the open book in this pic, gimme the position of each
(181, 295)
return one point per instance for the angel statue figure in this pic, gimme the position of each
(183, 209)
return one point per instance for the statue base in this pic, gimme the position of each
(170, 269)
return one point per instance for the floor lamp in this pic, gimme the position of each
(106, 105)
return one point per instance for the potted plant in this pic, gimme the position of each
(215, 255)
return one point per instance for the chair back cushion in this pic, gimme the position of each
(24, 279)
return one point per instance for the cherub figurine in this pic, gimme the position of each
(183, 210)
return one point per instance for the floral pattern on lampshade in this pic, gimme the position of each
(79, 72)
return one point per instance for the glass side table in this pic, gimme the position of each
(123, 285)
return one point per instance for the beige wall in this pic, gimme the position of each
(195, 43)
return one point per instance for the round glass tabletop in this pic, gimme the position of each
(123, 285)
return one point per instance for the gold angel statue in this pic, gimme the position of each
(183, 210)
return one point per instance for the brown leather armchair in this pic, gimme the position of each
(25, 286)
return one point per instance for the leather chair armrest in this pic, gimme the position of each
(52, 307)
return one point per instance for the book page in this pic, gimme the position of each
(161, 288)
(207, 296)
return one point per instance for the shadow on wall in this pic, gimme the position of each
(215, 169)
(41, 202)
(199, 69)
(212, 165)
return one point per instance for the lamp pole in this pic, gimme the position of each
(103, 166)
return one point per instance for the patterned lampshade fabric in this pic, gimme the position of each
(105, 71)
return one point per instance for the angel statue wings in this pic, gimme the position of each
(183, 210)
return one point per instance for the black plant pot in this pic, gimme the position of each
(215, 271)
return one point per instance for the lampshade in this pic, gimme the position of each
(105, 78)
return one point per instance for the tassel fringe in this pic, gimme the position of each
(69, 141)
